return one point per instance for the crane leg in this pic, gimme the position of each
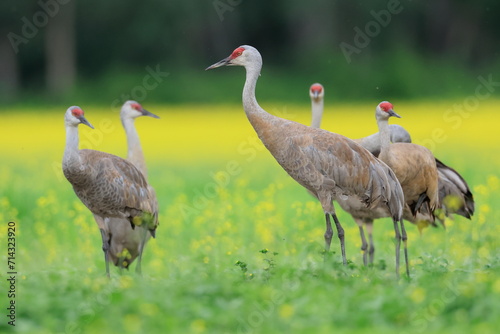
(138, 267)
(121, 260)
(364, 245)
(340, 234)
(105, 249)
(328, 233)
(120, 266)
(404, 237)
(371, 246)
(398, 246)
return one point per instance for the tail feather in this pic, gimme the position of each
(415, 207)
(454, 192)
(389, 190)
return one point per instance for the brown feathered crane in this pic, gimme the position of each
(454, 193)
(371, 142)
(328, 165)
(109, 186)
(414, 166)
(127, 243)
(363, 216)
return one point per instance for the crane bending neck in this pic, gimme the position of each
(257, 116)
(250, 103)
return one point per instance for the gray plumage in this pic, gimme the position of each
(371, 142)
(453, 186)
(398, 134)
(454, 193)
(109, 186)
(362, 215)
(125, 242)
(328, 165)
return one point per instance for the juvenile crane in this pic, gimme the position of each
(109, 186)
(125, 242)
(328, 165)
(454, 193)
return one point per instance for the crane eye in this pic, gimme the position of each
(236, 53)
(77, 112)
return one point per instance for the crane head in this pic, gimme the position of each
(133, 109)
(384, 110)
(74, 116)
(244, 55)
(316, 91)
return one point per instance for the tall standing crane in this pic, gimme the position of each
(125, 243)
(109, 186)
(329, 165)
(454, 193)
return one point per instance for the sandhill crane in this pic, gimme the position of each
(362, 216)
(452, 186)
(372, 142)
(454, 195)
(317, 94)
(125, 242)
(109, 186)
(414, 166)
(329, 165)
(451, 183)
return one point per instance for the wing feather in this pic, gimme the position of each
(324, 162)
(114, 187)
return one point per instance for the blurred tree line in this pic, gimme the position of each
(65, 49)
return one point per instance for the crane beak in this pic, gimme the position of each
(150, 114)
(392, 113)
(223, 62)
(83, 120)
(315, 94)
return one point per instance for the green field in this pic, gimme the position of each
(239, 248)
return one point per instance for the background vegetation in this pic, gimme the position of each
(206, 272)
(95, 51)
(243, 254)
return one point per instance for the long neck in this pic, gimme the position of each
(385, 134)
(317, 112)
(134, 154)
(71, 156)
(257, 116)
